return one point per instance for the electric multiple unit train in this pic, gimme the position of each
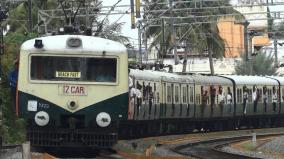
(73, 90)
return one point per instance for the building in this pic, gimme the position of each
(232, 30)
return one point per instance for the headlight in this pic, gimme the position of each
(72, 105)
(103, 119)
(41, 118)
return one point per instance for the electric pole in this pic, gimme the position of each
(30, 25)
(173, 33)
(275, 51)
(139, 41)
(245, 24)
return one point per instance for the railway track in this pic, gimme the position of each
(15, 151)
(6, 151)
(82, 153)
(7, 147)
(212, 148)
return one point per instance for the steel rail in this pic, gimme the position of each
(212, 147)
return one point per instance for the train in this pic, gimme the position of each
(74, 90)
(62, 96)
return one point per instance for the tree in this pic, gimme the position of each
(13, 41)
(198, 27)
(261, 64)
(279, 32)
(201, 32)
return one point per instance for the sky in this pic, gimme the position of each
(126, 30)
(133, 33)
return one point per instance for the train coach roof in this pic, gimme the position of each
(158, 75)
(252, 80)
(279, 78)
(89, 43)
(208, 80)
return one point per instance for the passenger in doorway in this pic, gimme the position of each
(265, 98)
(230, 100)
(221, 99)
(212, 97)
(204, 101)
(132, 95)
(254, 97)
(13, 82)
(151, 96)
(130, 81)
(139, 98)
(274, 99)
(245, 99)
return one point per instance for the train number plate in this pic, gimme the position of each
(73, 89)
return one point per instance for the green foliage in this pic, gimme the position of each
(14, 128)
(12, 43)
(280, 30)
(200, 36)
(269, 21)
(261, 64)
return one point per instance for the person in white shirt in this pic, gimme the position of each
(254, 97)
(139, 98)
(274, 99)
(230, 100)
(245, 99)
(130, 81)
(265, 98)
(221, 98)
(132, 95)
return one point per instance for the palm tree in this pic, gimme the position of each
(111, 31)
(201, 36)
(261, 64)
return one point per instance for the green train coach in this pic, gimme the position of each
(72, 90)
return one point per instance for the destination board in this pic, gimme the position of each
(60, 74)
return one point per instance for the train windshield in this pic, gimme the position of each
(58, 68)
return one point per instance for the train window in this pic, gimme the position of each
(157, 98)
(59, 68)
(249, 96)
(269, 95)
(169, 94)
(191, 94)
(177, 94)
(184, 95)
(260, 96)
(239, 95)
(282, 95)
(198, 99)
(278, 94)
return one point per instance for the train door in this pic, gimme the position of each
(260, 106)
(170, 109)
(282, 100)
(148, 98)
(163, 103)
(176, 101)
(184, 101)
(228, 108)
(153, 97)
(200, 109)
(269, 109)
(239, 101)
(250, 107)
(157, 98)
(191, 106)
(138, 99)
(278, 103)
(220, 108)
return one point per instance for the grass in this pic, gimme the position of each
(249, 146)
